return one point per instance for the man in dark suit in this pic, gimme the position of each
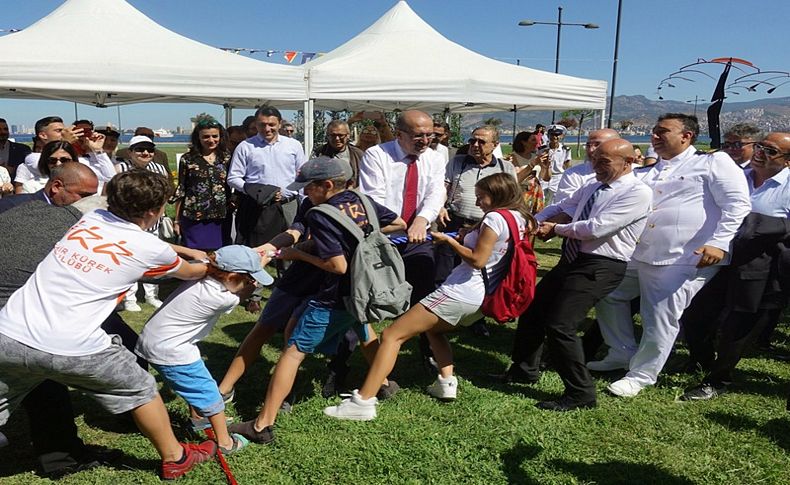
(11, 154)
(67, 184)
(753, 285)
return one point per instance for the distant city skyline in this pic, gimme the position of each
(657, 38)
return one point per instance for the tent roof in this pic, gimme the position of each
(104, 52)
(401, 62)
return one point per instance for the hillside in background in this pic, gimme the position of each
(770, 114)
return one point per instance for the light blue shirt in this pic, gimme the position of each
(772, 198)
(259, 162)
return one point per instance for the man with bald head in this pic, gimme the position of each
(601, 223)
(578, 175)
(406, 176)
(67, 184)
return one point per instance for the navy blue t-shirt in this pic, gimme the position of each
(332, 240)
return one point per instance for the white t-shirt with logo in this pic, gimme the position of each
(75, 288)
(187, 316)
(466, 283)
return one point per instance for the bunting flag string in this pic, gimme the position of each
(289, 56)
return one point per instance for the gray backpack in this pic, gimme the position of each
(378, 279)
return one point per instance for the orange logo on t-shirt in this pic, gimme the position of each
(112, 249)
(84, 236)
(92, 236)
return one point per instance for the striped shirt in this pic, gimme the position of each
(127, 165)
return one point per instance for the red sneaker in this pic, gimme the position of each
(193, 454)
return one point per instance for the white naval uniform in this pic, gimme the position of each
(698, 199)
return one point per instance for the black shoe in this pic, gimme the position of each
(335, 382)
(247, 429)
(388, 391)
(480, 329)
(515, 373)
(703, 392)
(564, 403)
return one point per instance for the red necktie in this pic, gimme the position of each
(409, 207)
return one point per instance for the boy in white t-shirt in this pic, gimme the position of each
(169, 339)
(50, 328)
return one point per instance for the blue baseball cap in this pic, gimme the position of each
(241, 259)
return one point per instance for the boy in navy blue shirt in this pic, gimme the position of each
(325, 319)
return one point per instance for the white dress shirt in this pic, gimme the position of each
(698, 199)
(382, 175)
(257, 161)
(616, 219)
(444, 152)
(572, 179)
(772, 198)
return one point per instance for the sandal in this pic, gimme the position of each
(239, 442)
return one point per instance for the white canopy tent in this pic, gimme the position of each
(106, 52)
(401, 62)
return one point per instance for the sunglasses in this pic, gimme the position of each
(737, 145)
(477, 141)
(337, 135)
(60, 159)
(771, 152)
(144, 149)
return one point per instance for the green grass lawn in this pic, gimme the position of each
(492, 434)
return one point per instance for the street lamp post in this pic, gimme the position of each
(559, 23)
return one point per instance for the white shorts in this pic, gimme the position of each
(452, 311)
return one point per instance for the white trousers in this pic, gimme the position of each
(665, 292)
(151, 291)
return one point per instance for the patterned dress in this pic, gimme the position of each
(204, 196)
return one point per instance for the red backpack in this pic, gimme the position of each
(515, 292)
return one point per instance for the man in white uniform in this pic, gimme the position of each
(699, 201)
(580, 174)
(559, 161)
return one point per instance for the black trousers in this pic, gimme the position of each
(563, 298)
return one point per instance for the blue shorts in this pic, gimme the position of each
(279, 308)
(194, 383)
(319, 329)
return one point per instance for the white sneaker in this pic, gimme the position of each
(444, 389)
(354, 408)
(131, 306)
(607, 364)
(154, 302)
(625, 387)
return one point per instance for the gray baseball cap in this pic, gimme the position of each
(321, 168)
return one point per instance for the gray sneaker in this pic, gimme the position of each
(354, 408)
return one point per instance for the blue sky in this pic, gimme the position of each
(657, 37)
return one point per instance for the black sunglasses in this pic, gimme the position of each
(771, 152)
(476, 141)
(737, 145)
(60, 159)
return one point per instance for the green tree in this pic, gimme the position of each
(581, 115)
(492, 121)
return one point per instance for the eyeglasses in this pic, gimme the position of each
(438, 135)
(420, 136)
(289, 130)
(737, 145)
(144, 149)
(339, 136)
(771, 152)
(476, 141)
(60, 159)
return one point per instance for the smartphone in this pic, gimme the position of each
(87, 132)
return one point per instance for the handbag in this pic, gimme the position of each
(167, 230)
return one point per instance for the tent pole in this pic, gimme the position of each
(308, 127)
(602, 124)
(228, 115)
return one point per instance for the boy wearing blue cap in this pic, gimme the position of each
(325, 319)
(169, 339)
